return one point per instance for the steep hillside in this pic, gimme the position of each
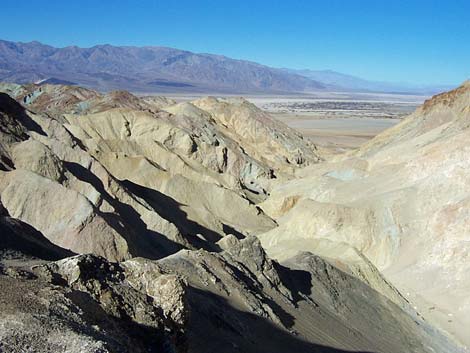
(402, 200)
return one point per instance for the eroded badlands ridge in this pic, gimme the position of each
(402, 200)
(127, 178)
(164, 202)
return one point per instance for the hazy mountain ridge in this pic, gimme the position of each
(345, 81)
(146, 69)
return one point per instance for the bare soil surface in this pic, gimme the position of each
(339, 134)
(340, 122)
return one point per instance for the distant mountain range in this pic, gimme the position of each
(337, 79)
(146, 69)
(161, 69)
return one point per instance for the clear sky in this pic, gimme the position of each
(418, 41)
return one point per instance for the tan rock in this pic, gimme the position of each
(401, 201)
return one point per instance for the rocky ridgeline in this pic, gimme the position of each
(129, 225)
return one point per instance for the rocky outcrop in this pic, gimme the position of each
(244, 300)
(84, 304)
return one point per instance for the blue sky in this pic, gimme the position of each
(425, 42)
